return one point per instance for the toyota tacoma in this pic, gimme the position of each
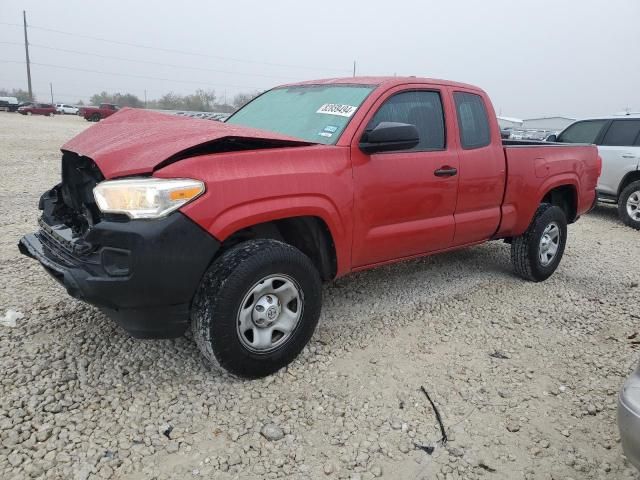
(166, 222)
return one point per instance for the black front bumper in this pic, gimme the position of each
(141, 273)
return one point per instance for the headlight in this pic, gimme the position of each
(146, 197)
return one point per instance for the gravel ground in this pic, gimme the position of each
(525, 375)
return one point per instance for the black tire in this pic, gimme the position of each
(95, 117)
(216, 305)
(623, 212)
(526, 249)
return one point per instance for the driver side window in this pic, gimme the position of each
(420, 108)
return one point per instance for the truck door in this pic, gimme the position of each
(404, 201)
(482, 173)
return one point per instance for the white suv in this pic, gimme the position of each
(64, 108)
(618, 141)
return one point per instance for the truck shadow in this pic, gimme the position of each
(387, 291)
(605, 212)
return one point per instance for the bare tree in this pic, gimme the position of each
(241, 99)
(121, 99)
(21, 95)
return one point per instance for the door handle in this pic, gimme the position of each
(446, 171)
(628, 155)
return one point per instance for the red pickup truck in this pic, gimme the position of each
(38, 109)
(163, 221)
(95, 114)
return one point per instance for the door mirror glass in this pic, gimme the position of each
(551, 138)
(390, 136)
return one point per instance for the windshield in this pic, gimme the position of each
(316, 113)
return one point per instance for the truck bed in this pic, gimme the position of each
(538, 143)
(535, 167)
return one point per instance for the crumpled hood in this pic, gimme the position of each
(135, 141)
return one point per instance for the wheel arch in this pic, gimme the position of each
(564, 196)
(629, 178)
(309, 234)
(312, 229)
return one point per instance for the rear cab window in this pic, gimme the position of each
(586, 131)
(473, 120)
(622, 133)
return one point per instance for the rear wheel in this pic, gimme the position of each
(629, 205)
(95, 117)
(537, 252)
(256, 307)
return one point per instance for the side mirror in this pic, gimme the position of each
(551, 138)
(390, 136)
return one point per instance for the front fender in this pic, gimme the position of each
(243, 215)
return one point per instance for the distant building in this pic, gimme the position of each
(547, 123)
(509, 122)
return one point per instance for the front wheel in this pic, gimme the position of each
(256, 308)
(95, 117)
(629, 205)
(537, 252)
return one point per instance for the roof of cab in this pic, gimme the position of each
(383, 81)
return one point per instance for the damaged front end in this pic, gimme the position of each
(112, 261)
(68, 212)
(69, 209)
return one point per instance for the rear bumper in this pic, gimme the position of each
(629, 418)
(143, 274)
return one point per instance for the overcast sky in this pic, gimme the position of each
(543, 57)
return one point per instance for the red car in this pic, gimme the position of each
(38, 109)
(95, 114)
(165, 222)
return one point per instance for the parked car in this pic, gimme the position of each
(165, 221)
(505, 133)
(9, 104)
(618, 140)
(517, 134)
(37, 109)
(65, 109)
(95, 114)
(629, 417)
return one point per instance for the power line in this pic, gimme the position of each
(85, 93)
(146, 77)
(142, 61)
(182, 52)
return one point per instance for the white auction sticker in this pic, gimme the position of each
(337, 109)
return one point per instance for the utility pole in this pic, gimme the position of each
(145, 98)
(354, 68)
(51, 89)
(26, 49)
